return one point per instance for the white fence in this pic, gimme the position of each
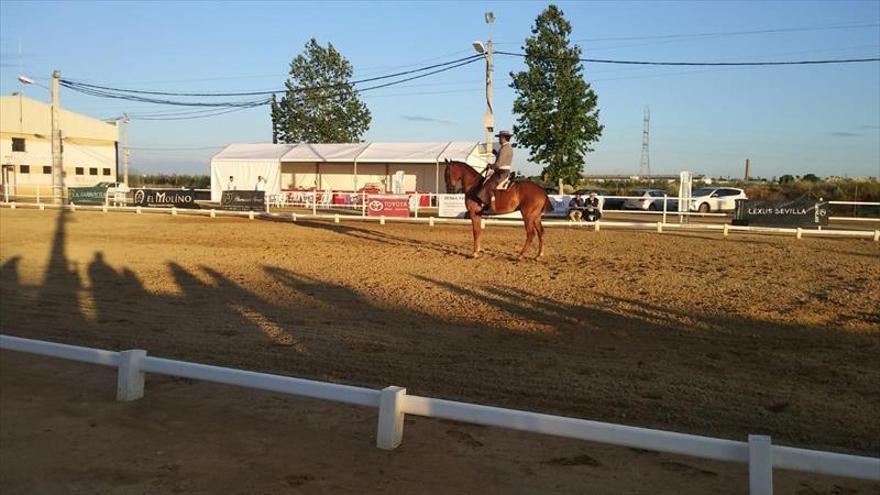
(394, 403)
(659, 227)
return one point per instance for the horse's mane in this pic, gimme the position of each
(464, 165)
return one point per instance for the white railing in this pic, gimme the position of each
(394, 403)
(659, 227)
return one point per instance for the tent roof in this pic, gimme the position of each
(308, 152)
(349, 152)
(253, 152)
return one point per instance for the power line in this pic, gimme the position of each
(270, 92)
(220, 108)
(737, 64)
(718, 33)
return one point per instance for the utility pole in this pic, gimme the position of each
(57, 149)
(489, 117)
(126, 153)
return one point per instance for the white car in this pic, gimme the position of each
(708, 199)
(646, 199)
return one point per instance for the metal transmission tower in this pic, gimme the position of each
(645, 162)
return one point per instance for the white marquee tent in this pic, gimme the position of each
(339, 167)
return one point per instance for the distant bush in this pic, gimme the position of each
(171, 180)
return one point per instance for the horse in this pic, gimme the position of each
(526, 197)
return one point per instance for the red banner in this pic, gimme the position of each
(388, 206)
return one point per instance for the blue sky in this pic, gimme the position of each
(820, 119)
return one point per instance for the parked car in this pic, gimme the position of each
(709, 199)
(649, 200)
(116, 191)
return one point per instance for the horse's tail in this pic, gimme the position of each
(548, 205)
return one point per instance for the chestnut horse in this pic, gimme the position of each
(526, 197)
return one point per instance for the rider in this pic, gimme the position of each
(500, 169)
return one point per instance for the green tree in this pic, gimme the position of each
(811, 178)
(557, 118)
(320, 104)
(786, 179)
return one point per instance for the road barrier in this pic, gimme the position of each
(394, 404)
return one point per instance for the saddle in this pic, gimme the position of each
(504, 185)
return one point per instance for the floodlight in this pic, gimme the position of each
(478, 46)
(25, 79)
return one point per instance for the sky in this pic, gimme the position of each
(786, 120)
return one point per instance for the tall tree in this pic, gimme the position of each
(320, 104)
(557, 118)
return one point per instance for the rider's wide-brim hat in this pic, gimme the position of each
(504, 133)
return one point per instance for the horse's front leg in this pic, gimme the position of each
(478, 231)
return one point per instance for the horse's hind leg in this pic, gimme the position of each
(530, 234)
(540, 229)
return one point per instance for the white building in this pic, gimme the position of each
(88, 147)
(339, 167)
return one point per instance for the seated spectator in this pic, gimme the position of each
(576, 208)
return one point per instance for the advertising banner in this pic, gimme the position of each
(452, 206)
(243, 200)
(387, 206)
(86, 195)
(797, 213)
(179, 198)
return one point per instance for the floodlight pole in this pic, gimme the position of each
(57, 162)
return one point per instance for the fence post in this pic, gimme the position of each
(38, 194)
(72, 206)
(11, 206)
(877, 236)
(725, 230)
(760, 465)
(174, 210)
(382, 220)
(597, 226)
(42, 207)
(293, 216)
(251, 214)
(390, 431)
(315, 204)
(482, 223)
(799, 233)
(336, 218)
(363, 203)
(664, 207)
(130, 378)
(104, 208)
(137, 209)
(213, 213)
(431, 223)
(660, 227)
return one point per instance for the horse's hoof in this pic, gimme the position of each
(475, 255)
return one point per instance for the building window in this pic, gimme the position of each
(24, 169)
(79, 171)
(47, 170)
(17, 144)
(106, 171)
(93, 171)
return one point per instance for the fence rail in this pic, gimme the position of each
(393, 404)
(659, 227)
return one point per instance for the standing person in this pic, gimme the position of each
(500, 170)
(230, 186)
(261, 184)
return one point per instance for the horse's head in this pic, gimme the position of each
(452, 175)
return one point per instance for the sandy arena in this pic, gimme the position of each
(675, 331)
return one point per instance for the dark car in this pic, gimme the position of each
(607, 203)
